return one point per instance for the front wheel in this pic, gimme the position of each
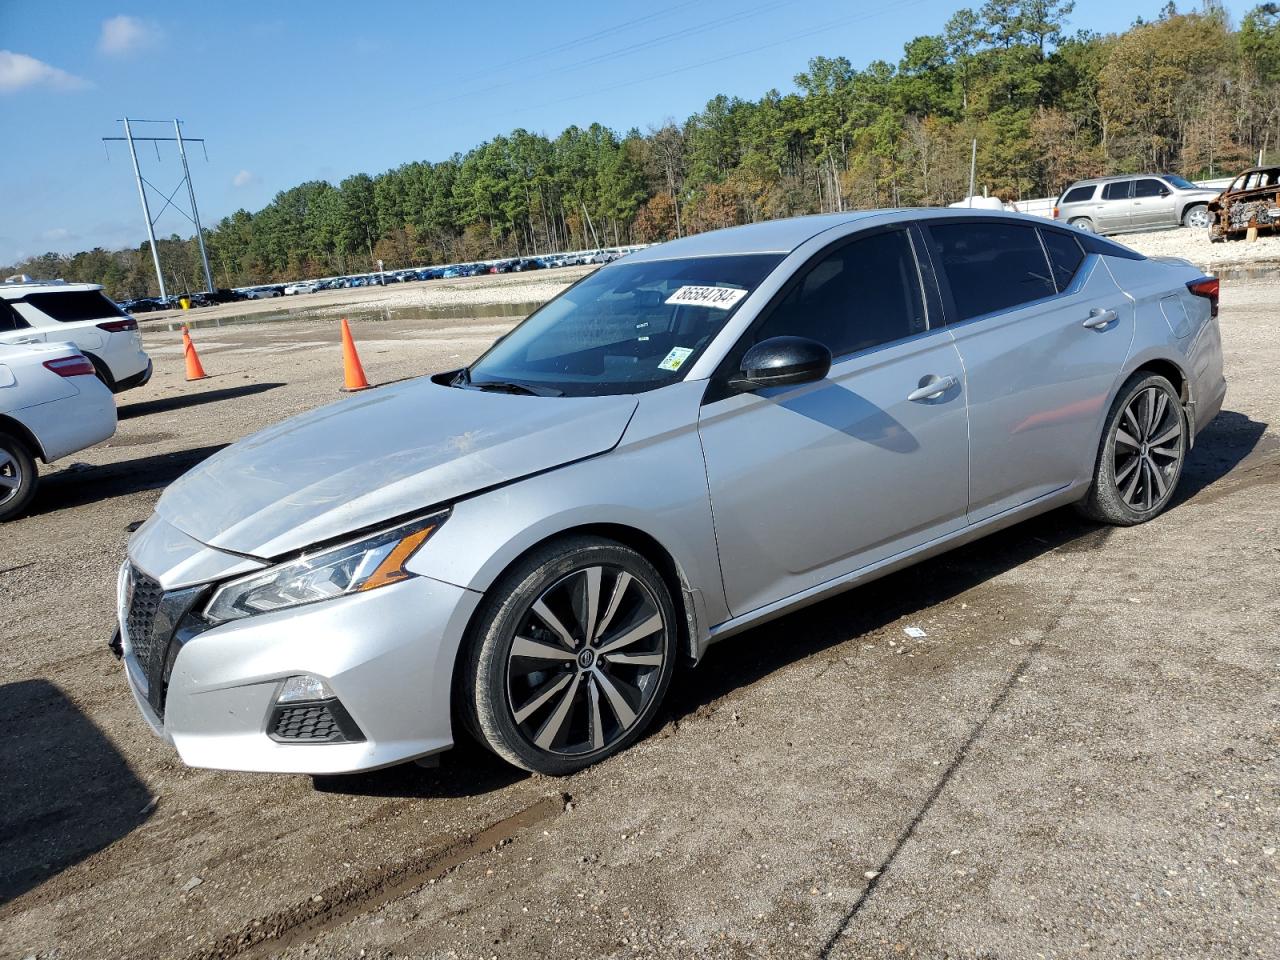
(18, 476)
(1196, 217)
(1141, 455)
(571, 656)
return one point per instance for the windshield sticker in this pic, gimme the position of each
(722, 298)
(674, 360)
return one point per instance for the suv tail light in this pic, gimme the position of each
(72, 366)
(1055, 212)
(119, 326)
(1206, 287)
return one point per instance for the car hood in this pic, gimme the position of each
(381, 455)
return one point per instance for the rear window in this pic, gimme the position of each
(1079, 194)
(992, 266)
(1116, 191)
(68, 306)
(1065, 256)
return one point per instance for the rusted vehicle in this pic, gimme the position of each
(1252, 200)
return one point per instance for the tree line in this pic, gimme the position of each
(1187, 92)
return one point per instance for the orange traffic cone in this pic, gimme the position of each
(352, 373)
(194, 370)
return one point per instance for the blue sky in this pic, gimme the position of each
(286, 92)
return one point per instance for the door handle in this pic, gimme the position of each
(931, 387)
(1100, 319)
(26, 340)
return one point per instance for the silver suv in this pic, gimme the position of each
(1148, 201)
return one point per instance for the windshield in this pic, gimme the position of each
(1180, 182)
(627, 328)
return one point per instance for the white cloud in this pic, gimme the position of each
(123, 35)
(59, 235)
(244, 178)
(18, 71)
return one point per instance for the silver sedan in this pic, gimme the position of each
(690, 441)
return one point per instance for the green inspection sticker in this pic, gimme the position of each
(674, 360)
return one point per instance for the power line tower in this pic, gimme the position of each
(143, 183)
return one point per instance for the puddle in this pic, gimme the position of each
(461, 311)
(1244, 272)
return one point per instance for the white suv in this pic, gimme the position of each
(52, 311)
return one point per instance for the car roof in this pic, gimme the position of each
(784, 236)
(16, 290)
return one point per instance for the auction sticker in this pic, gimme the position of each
(674, 360)
(722, 298)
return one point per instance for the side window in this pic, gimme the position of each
(991, 266)
(10, 319)
(1065, 256)
(858, 296)
(1079, 194)
(1118, 190)
(1149, 188)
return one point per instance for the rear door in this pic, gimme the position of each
(1114, 208)
(1153, 205)
(1043, 330)
(815, 481)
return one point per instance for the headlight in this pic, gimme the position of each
(366, 564)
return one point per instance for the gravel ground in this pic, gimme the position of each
(1194, 245)
(1079, 759)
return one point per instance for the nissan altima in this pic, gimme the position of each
(681, 446)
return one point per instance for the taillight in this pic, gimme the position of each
(1055, 213)
(73, 366)
(119, 326)
(1206, 287)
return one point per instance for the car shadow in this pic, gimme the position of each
(145, 408)
(79, 484)
(66, 792)
(1221, 447)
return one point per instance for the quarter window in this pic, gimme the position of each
(1078, 194)
(859, 296)
(1116, 191)
(992, 266)
(1065, 256)
(10, 319)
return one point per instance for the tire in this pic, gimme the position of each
(18, 476)
(552, 703)
(1085, 224)
(1141, 455)
(1196, 217)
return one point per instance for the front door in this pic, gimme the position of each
(1153, 205)
(1043, 330)
(811, 482)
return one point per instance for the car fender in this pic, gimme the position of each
(653, 483)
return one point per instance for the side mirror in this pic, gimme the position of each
(782, 362)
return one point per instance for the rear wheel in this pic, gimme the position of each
(1196, 217)
(1142, 453)
(572, 656)
(1085, 224)
(18, 476)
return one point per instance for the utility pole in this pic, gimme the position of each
(195, 214)
(146, 209)
(143, 183)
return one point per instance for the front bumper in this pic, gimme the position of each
(388, 655)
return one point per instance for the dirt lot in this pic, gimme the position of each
(1080, 759)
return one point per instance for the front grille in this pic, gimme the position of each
(151, 622)
(147, 646)
(321, 721)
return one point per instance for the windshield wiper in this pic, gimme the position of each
(511, 386)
